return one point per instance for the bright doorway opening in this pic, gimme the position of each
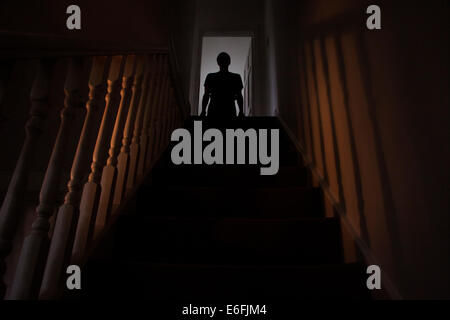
(240, 50)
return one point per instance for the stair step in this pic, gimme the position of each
(231, 202)
(288, 176)
(244, 123)
(209, 283)
(229, 241)
(288, 156)
(224, 232)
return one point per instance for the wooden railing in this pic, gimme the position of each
(339, 133)
(134, 96)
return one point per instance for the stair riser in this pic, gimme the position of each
(232, 202)
(221, 177)
(225, 283)
(230, 242)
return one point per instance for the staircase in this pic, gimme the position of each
(224, 232)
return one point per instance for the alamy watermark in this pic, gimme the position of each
(74, 279)
(214, 151)
(374, 280)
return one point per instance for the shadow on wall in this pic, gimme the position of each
(363, 131)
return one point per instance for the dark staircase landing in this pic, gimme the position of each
(205, 233)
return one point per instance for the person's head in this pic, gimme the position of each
(223, 60)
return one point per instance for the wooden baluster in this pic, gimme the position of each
(166, 124)
(35, 243)
(162, 117)
(67, 213)
(169, 118)
(170, 125)
(181, 117)
(10, 212)
(174, 117)
(5, 73)
(160, 113)
(155, 112)
(176, 120)
(92, 188)
(109, 174)
(179, 120)
(149, 112)
(167, 112)
(124, 156)
(138, 124)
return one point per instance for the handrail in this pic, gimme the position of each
(25, 45)
(133, 94)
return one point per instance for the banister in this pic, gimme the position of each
(137, 128)
(175, 78)
(35, 243)
(11, 210)
(22, 45)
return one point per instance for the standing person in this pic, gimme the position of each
(221, 90)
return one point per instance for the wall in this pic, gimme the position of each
(131, 24)
(374, 122)
(183, 16)
(281, 23)
(270, 44)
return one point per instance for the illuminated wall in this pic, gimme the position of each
(373, 122)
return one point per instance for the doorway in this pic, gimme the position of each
(240, 50)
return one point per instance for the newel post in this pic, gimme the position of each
(92, 188)
(68, 212)
(109, 174)
(10, 213)
(35, 243)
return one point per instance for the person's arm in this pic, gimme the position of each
(206, 96)
(205, 101)
(240, 102)
(239, 97)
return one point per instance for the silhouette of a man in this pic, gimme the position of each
(221, 90)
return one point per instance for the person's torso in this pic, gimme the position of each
(223, 87)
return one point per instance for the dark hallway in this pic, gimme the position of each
(88, 186)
